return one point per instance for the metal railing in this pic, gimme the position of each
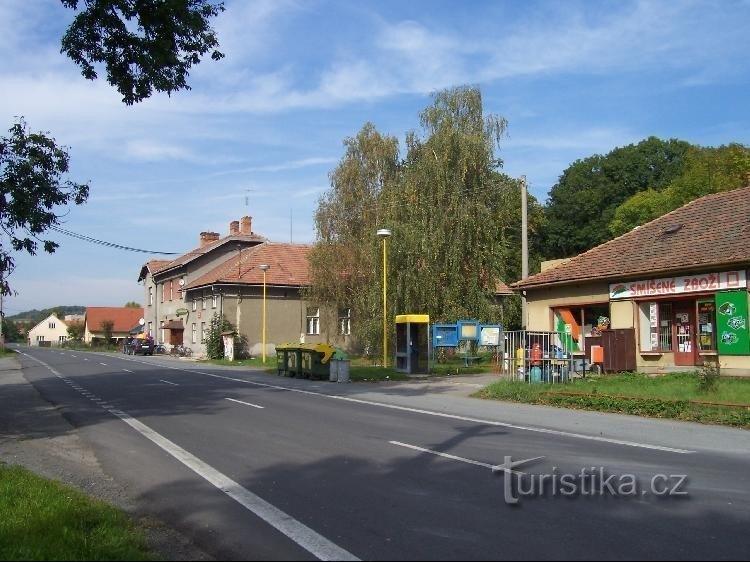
(541, 357)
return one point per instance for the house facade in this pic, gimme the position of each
(223, 276)
(675, 288)
(49, 332)
(123, 320)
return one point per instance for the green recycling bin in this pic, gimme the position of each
(282, 360)
(315, 360)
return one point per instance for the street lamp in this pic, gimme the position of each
(264, 267)
(384, 233)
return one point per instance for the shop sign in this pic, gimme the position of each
(732, 323)
(679, 285)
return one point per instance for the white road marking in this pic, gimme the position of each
(167, 382)
(127, 370)
(100, 363)
(245, 403)
(304, 536)
(85, 359)
(76, 356)
(492, 467)
(543, 430)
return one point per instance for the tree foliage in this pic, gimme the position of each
(707, 170)
(132, 304)
(107, 326)
(455, 221)
(76, 331)
(583, 202)
(144, 45)
(32, 190)
(214, 341)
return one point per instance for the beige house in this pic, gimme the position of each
(49, 332)
(223, 276)
(675, 289)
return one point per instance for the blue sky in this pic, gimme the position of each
(265, 125)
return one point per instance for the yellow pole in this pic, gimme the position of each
(264, 316)
(385, 304)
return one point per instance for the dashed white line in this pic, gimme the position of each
(245, 403)
(304, 536)
(100, 363)
(167, 382)
(127, 370)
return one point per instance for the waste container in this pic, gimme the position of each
(315, 360)
(339, 367)
(294, 361)
(282, 359)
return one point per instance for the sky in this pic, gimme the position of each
(260, 130)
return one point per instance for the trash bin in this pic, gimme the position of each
(339, 367)
(294, 361)
(282, 359)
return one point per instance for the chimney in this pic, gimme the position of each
(234, 228)
(246, 224)
(208, 237)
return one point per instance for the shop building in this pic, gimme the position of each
(675, 290)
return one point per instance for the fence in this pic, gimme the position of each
(537, 357)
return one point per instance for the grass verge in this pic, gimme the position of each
(675, 396)
(44, 520)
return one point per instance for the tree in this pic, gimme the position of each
(107, 326)
(707, 170)
(132, 304)
(12, 331)
(214, 341)
(583, 202)
(343, 260)
(32, 188)
(145, 45)
(76, 331)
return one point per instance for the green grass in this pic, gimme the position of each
(5, 352)
(44, 520)
(675, 396)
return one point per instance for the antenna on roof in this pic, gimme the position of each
(248, 190)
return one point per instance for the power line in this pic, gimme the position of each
(109, 244)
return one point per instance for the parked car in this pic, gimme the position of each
(139, 346)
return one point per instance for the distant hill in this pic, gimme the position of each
(39, 315)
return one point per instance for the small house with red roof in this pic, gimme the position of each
(675, 290)
(123, 320)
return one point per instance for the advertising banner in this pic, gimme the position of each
(732, 323)
(683, 284)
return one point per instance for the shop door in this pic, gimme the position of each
(684, 334)
(176, 336)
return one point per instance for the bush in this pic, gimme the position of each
(708, 377)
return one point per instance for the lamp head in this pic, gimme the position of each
(384, 232)
(264, 267)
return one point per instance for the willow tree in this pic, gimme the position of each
(447, 212)
(344, 259)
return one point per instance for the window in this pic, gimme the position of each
(313, 321)
(706, 326)
(655, 325)
(214, 300)
(150, 296)
(62, 338)
(194, 334)
(150, 330)
(162, 291)
(345, 322)
(40, 338)
(576, 323)
(203, 303)
(203, 332)
(171, 290)
(195, 303)
(51, 325)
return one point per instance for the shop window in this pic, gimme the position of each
(706, 326)
(576, 323)
(655, 325)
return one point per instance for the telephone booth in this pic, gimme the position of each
(412, 343)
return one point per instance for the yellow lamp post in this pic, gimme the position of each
(265, 268)
(385, 233)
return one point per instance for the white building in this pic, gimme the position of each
(50, 331)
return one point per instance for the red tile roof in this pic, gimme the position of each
(124, 318)
(502, 289)
(289, 266)
(197, 252)
(708, 233)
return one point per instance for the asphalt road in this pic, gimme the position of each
(258, 467)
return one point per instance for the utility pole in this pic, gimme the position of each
(524, 245)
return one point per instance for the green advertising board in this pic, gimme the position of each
(732, 323)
